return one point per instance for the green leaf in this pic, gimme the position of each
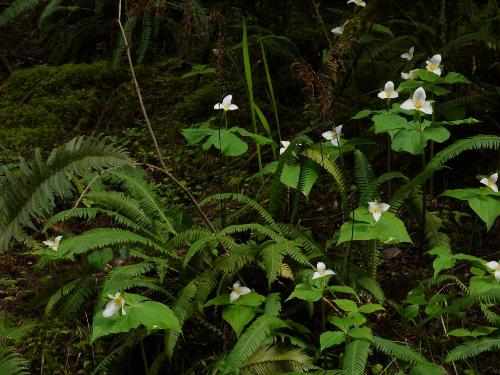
(229, 143)
(479, 331)
(251, 299)
(442, 263)
(305, 292)
(290, 175)
(194, 136)
(387, 122)
(346, 304)
(361, 333)
(331, 338)
(381, 29)
(370, 308)
(427, 76)
(139, 311)
(487, 208)
(258, 139)
(355, 357)
(344, 324)
(341, 289)
(221, 300)
(238, 317)
(363, 114)
(453, 77)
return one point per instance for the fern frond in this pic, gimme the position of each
(277, 359)
(147, 28)
(372, 286)
(310, 247)
(251, 341)
(365, 177)
(17, 8)
(31, 193)
(403, 352)
(473, 348)
(355, 357)
(106, 365)
(11, 362)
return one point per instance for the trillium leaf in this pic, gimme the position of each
(258, 139)
(370, 308)
(194, 136)
(305, 292)
(290, 175)
(229, 143)
(344, 324)
(463, 194)
(453, 77)
(331, 338)
(468, 120)
(251, 299)
(363, 114)
(479, 331)
(238, 317)
(341, 289)
(139, 311)
(436, 133)
(487, 208)
(221, 300)
(386, 122)
(361, 333)
(481, 284)
(443, 263)
(346, 305)
(427, 76)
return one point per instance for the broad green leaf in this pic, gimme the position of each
(453, 77)
(251, 299)
(139, 311)
(358, 319)
(361, 333)
(481, 284)
(196, 135)
(442, 263)
(487, 208)
(427, 76)
(479, 331)
(341, 289)
(331, 338)
(346, 304)
(305, 292)
(381, 29)
(258, 139)
(362, 114)
(290, 175)
(238, 317)
(387, 122)
(229, 143)
(221, 300)
(370, 308)
(344, 324)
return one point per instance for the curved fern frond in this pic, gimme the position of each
(355, 357)
(473, 348)
(363, 172)
(31, 192)
(17, 8)
(252, 340)
(398, 351)
(11, 362)
(277, 359)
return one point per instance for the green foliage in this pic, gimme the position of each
(473, 348)
(12, 363)
(355, 357)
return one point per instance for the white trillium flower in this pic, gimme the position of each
(494, 266)
(285, 145)
(322, 271)
(359, 3)
(377, 209)
(491, 182)
(388, 92)
(226, 104)
(410, 75)
(339, 30)
(433, 64)
(53, 244)
(418, 102)
(408, 55)
(334, 135)
(238, 291)
(113, 307)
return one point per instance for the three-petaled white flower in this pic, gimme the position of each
(339, 30)
(494, 266)
(410, 75)
(226, 104)
(359, 3)
(418, 102)
(285, 145)
(491, 182)
(408, 55)
(113, 307)
(433, 64)
(388, 92)
(377, 209)
(53, 244)
(333, 135)
(322, 271)
(238, 291)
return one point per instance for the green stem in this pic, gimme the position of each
(424, 188)
(374, 259)
(144, 358)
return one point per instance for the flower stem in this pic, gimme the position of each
(144, 358)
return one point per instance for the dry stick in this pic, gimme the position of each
(150, 128)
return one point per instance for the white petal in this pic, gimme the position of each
(376, 216)
(408, 104)
(338, 130)
(405, 75)
(329, 272)
(282, 150)
(384, 207)
(233, 296)
(427, 108)
(493, 265)
(236, 285)
(363, 4)
(419, 95)
(58, 239)
(382, 95)
(389, 86)
(339, 30)
(497, 275)
(328, 135)
(437, 71)
(51, 243)
(394, 94)
(406, 56)
(484, 181)
(316, 275)
(232, 107)
(111, 309)
(351, 1)
(227, 100)
(494, 187)
(493, 177)
(321, 266)
(372, 205)
(218, 106)
(436, 59)
(285, 144)
(335, 142)
(244, 290)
